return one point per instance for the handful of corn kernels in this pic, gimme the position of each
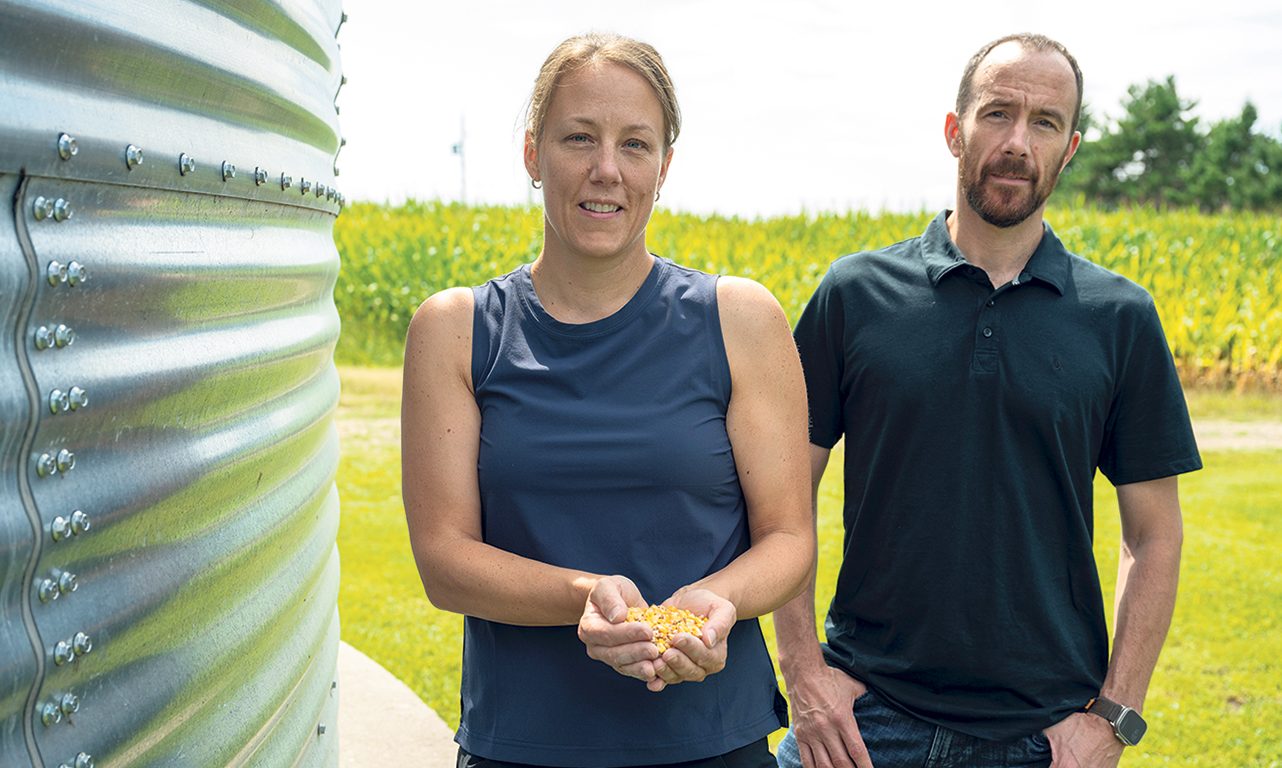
(666, 622)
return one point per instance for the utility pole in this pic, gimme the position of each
(462, 161)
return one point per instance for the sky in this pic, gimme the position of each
(806, 105)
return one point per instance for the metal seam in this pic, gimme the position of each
(26, 304)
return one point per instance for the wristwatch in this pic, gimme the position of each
(1127, 724)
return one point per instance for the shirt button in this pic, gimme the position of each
(991, 302)
(988, 332)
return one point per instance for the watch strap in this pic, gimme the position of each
(1106, 708)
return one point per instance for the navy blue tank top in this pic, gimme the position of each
(604, 448)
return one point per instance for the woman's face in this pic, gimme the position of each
(601, 161)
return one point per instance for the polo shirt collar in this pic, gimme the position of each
(1049, 262)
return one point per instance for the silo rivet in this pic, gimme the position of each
(66, 460)
(61, 210)
(286, 181)
(67, 148)
(42, 208)
(186, 164)
(84, 760)
(70, 704)
(50, 715)
(229, 171)
(79, 522)
(46, 465)
(63, 336)
(81, 644)
(133, 156)
(63, 653)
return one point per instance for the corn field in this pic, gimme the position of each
(1217, 279)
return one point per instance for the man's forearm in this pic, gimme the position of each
(1148, 575)
(798, 642)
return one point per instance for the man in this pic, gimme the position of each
(980, 374)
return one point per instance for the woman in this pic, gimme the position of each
(599, 430)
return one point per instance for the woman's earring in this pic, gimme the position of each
(536, 184)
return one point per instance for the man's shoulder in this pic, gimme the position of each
(881, 261)
(1096, 283)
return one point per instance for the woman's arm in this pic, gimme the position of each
(440, 438)
(767, 425)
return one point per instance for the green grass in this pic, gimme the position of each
(1216, 699)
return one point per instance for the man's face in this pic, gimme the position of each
(1016, 136)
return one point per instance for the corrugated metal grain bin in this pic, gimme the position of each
(168, 570)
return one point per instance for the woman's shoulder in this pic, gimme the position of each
(443, 322)
(745, 303)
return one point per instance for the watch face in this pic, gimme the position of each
(1130, 727)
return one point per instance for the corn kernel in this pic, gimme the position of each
(665, 622)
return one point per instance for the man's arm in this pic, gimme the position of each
(822, 698)
(1147, 575)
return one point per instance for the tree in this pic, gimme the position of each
(1147, 155)
(1238, 168)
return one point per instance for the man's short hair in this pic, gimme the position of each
(966, 91)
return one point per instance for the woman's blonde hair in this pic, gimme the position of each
(584, 50)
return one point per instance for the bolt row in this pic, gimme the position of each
(134, 157)
(43, 208)
(50, 464)
(72, 648)
(72, 273)
(55, 337)
(58, 583)
(63, 528)
(66, 402)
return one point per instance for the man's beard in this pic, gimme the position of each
(1010, 206)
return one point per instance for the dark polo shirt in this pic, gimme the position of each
(974, 421)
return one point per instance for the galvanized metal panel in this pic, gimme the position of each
(19, 662)
(187, 426)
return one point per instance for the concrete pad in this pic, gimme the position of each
(382, 722)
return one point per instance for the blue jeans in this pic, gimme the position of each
(897, 740)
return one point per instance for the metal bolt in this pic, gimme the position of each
(77, 398)
(63, 653)
(66, 460)
(46, 465)
(133, 156)
(60, 528)
(320, 190)
(67, 148)
(79, 522)
(42, 208)
(63, 336)
(69, 704)
(84, 760)
(229, 171)
(77, 273)
(81, 644)
(333, 686)
(44, 337)
(56, 272)
(50, 715)
(67, 582)
(286, 181)
(61, 210)
(305, 186)
(48, 590)
(260, 176)
(320, 729)
(186, 164)
(59, 401)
